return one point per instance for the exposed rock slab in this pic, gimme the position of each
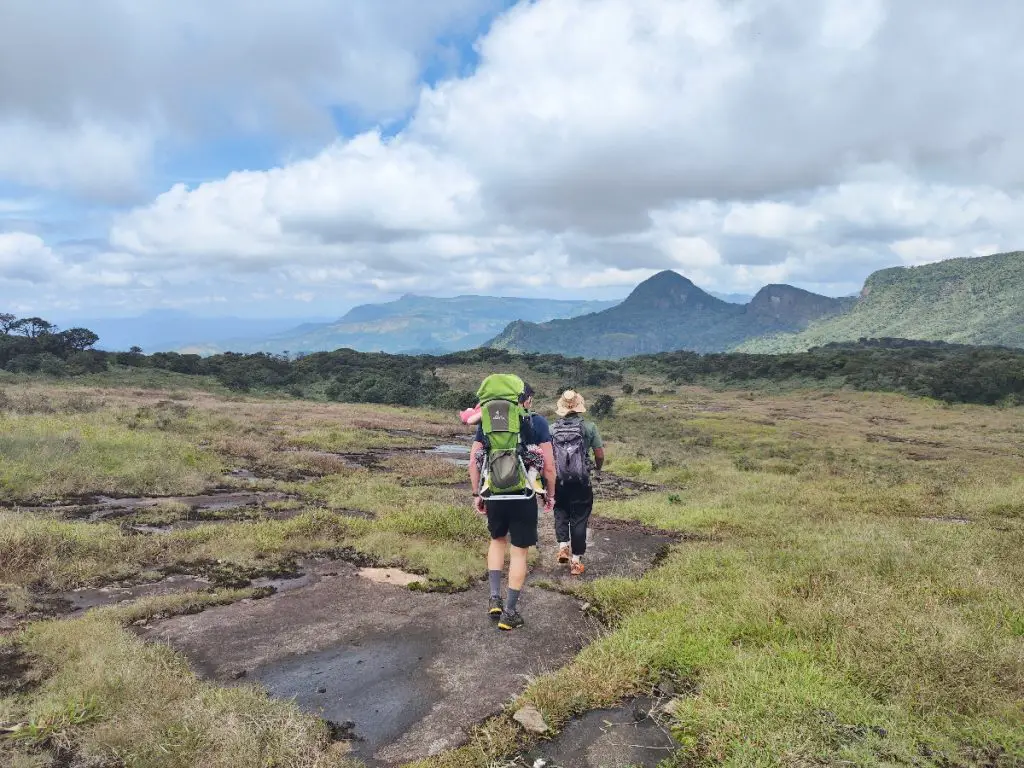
(412, 671)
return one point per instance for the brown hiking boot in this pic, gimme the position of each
(576, 569)
(564, 553)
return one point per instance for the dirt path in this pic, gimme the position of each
(411, 671)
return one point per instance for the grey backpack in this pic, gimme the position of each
(569, 443)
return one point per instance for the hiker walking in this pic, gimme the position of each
(503, 487)
(573, 439)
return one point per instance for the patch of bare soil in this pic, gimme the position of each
(16, 672)
(633, 735)
(922, 456)
(40, 606)
(877, 437)
(405, 673)
(952, 520)
(876, 420)
(609, 486)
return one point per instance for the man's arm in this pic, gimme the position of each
(549, 474)
(596, 444)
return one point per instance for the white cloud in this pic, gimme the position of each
(26, 258)
(738, 141)
(769, 220)
(363, 190)
(922, 250)
(87, 88)
(89, 158)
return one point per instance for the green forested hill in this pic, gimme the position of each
(967, 301)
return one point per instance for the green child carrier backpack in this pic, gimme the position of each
(502, 417)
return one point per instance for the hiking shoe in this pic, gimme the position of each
(510, 620)
(576, 569)
(563, 554)
(495, 608)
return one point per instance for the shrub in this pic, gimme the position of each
(603, 405)
(455, 400)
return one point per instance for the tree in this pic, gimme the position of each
(7, 321)
(33, 327)
(79, 338)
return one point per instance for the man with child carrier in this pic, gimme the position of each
(511, 447)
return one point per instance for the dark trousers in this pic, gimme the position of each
(573, 505)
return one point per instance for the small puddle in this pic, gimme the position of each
(86, 598)
(242, 474)
(635, 735)
(106, 507)
(456, 454)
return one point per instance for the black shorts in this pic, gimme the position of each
(517, 518)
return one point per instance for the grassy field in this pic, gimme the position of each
(857, 596)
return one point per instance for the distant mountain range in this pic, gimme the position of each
(965, 301)
(972, 301)
(411, 325)
(667, 312)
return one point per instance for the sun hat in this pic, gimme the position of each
(571, 401)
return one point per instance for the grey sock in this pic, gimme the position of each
(495, 577)
(511, 599)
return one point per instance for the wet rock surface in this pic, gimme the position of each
(105, 508)
(79, 600)
(614, 548)
(635, 735)
(411, 671)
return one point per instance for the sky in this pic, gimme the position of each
(295, 159)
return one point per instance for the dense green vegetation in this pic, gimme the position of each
(668, 312)
(949, 372)
(969, 301)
